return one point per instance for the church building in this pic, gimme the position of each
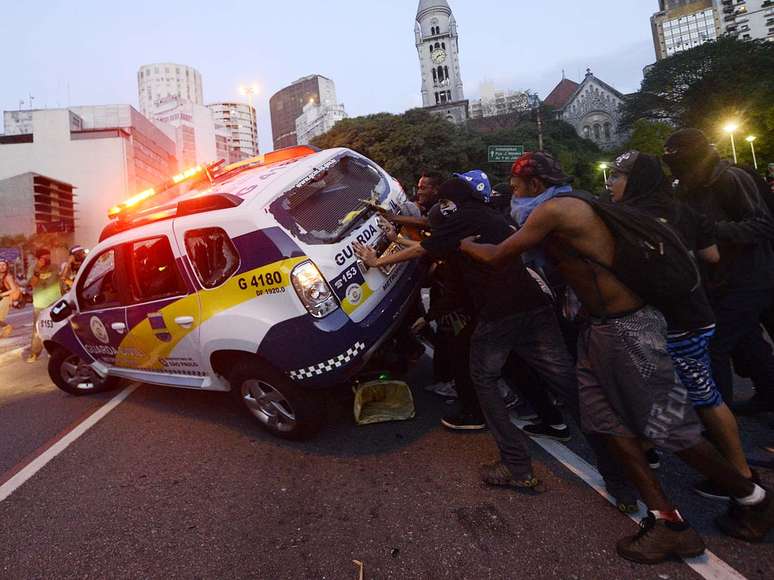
(437, 44)
(593, 107)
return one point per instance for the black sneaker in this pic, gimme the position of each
(464, 421)
(711, 490)
(659, 540)
(556, 432)
(653, 457)
(749, 523)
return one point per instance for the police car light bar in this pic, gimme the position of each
(188, 174)
(277, 156)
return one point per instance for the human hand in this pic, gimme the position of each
(418, 325)
(366, 253)
(388, 229)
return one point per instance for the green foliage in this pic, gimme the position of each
(708, 85)
(407, 144)
(649, 136)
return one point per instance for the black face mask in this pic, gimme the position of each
(680, 165)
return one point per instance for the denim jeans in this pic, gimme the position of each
(738, 334)
(535, 337)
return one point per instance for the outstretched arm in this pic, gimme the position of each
(368, 255)
(541, 223)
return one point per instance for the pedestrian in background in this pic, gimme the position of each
(71, 266)
(740, 286)
(44, 281)
(9, 293)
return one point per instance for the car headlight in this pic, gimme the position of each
(313, 290)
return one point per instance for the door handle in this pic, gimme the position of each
(184, 321)
(119, 327)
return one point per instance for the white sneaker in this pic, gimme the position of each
(443, 389)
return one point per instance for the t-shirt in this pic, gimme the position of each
(494, 292)
(47, 291)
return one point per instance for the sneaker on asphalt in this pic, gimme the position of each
(748, 523)
(497, 474)
(443, 389)
(659, 540)
(653, 457)
(556, 432)
(32, 358)
(711, 490)
(464, 422)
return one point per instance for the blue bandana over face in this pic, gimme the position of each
(522, 207)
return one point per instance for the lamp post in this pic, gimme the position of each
(249, 92)
(751, 140)
(730, 128)
(603, 166)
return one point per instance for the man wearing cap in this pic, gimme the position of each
(512, 315)
(44, 282)
(740, 286)
(628, 389)
(70, 268)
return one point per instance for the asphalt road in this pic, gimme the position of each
(182, 484)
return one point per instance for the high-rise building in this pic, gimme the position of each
(34, 203)
(287, 105)
(494, 102)
(683, 24)
(192, 128)
(240, 122)
(316, 120)
(746, 19)
(107, 152)
(165, 79)
(437, 42)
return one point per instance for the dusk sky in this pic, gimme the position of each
(88, 52)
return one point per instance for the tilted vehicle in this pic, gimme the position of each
(245, 282)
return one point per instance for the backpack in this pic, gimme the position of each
(650, 258)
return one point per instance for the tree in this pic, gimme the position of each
(407, 144)
(709, 84)
(649, 136)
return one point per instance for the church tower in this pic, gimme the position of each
(438, 48)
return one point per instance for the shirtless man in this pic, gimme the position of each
(628, 387)
(9, 293)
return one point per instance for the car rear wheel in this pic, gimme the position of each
(279, 405)
(74, 375)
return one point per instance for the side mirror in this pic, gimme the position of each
(61, 310)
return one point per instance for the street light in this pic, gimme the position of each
(730, 128)
(249, 92)
(751, 140)
(603, 166)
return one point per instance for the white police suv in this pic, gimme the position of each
(246, 281)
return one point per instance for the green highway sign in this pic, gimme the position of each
(505, 153)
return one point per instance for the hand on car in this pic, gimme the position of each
(418, 325)
(365, 253)
(385, 213)
(388, 229)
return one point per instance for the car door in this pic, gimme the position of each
(162, 316)
(100, 323)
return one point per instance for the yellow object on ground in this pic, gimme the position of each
(381, 401)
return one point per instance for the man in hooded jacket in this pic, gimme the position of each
(740, 286)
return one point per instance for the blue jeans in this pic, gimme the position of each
(535, 337)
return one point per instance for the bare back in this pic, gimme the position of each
(579, 228)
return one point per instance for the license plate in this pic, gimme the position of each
(391, 249)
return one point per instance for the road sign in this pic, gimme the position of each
(505, 153)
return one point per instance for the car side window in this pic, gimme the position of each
(99, 288)
(153, 271)
(213, 255)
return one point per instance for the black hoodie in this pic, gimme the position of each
(648, 189)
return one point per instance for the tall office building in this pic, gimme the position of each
(494, 102)
(165, 79)
(437, 43)
(287, 105)
(191, 126)
(746, 19)
(240, 122)
(316, 120)
(683, 24)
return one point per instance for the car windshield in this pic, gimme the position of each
(332, 199)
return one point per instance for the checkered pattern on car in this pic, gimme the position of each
(328, 365)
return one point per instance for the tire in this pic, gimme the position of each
(73, 375)
(279, 405)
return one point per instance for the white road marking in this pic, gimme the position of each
(41, 460)
(708, 565)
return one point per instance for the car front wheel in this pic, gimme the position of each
(74, 375)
